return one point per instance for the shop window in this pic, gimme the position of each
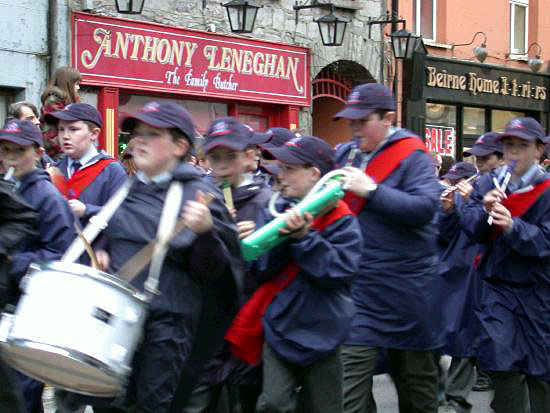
(519, 15)
(473, 125)
(440, 132)
(424, 18)
(499, 119)
(256, 122)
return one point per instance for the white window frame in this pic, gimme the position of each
(513, 4)
(417, 23)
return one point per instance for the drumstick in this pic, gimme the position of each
(139, 261)
(9, 173)
(228, 196)
(87, 246)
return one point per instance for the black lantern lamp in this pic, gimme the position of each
(480, 52)
(129, 6)
(403, 44)
(241, 15)
(535, 63)
(331, 27)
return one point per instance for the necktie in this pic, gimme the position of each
(76, 167)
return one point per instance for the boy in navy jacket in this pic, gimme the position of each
(309, 317)
(395, 195)
(509, 214)
(21, 148)
(88, 178)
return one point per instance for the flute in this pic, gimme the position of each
(504, 185)
(453, 188)
(9, 173)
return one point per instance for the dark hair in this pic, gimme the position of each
(448, 162)
(62, 85)
(176, 136)
(382, 112)
(14, 110)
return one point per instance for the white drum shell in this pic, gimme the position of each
(76, 328)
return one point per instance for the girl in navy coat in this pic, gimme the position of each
(510, 214)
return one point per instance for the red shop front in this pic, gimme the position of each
(128, 63)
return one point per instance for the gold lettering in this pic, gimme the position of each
(122, 43)
(504, 88)
(472, 84)
(163, 44)
(514, 87)
(176, 52)
(280, 67)
(149, 50)
(487, 86)
(191, 49)
(526, 90)
(103, 38)
(462, 82)
(138, 38)
(210, 53)
(542, 93)
(293, 71)
(237, 59)
(496, 87)
(247, 62)
(269, 64)
(257, 66)
(440, 80)
(431, 76)
(225, 63)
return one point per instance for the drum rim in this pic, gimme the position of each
(75, 355)
(95, 274)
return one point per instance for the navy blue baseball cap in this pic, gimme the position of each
(75, 112)
(21, 132)
(365, 99)
(524, 128)
(162, 115)
(229, 133)
(278, 137)
(486, 144)
(306, 150)
(256, 138)
(460, 170)
(270, 168)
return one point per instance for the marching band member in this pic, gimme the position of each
(510, 214)
(21, 148)
(226, 149)
(395, 195)
(305, 300)
(90, 177)
(200, 275)
(487, 151)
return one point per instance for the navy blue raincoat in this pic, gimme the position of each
(515, 303)
(396, 285)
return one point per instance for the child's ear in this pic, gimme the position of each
(39, 151)
(182, 146)
(316, 173)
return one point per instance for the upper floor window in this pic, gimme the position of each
(424, 12)
(519, 18)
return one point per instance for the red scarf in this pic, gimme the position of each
(383, 165)
(72, 188)
(246, 334)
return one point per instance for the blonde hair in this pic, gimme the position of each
(62, 85)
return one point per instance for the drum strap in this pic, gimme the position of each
(167, 224)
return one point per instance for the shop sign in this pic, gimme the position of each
(506, 84)
(146, 56)
(440, 139)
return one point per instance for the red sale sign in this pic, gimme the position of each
(146, 56)
(440, 139)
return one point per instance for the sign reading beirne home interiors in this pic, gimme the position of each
(481, 84)
(138, 55)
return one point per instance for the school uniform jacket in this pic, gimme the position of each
(311, 317)
(199, 289)
(55, 223)
(102, 188)
(515, 303)
(395, 287)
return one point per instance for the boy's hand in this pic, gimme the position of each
(465, 189)
(358, 182)
(78, 207)
(501, 217)
(492, 197)
(447, 200)
(245, 228)
(197, 216)
(297, 225)
(103, 260)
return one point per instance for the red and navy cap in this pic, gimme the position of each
(162, 115)
(278, 137)
(75, 112)
(21, 132)
(229, 133)
(486, 144)
(365, 99)
(524, 128)
(306, 150)
(460, 170)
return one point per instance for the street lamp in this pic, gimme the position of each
(129, 6)
(403, 44)
(535, 63)
(481, 51)
(241, 15)
(331, 27)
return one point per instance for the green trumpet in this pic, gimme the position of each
(270, 235)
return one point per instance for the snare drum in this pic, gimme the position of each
(76, 328)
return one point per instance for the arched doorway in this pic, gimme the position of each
(331, 87)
